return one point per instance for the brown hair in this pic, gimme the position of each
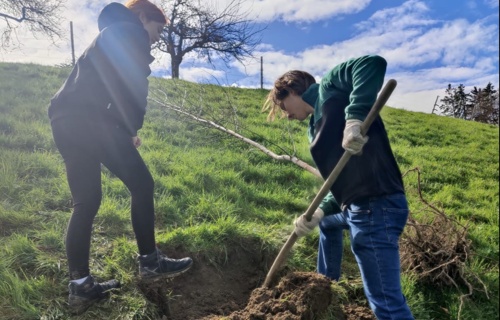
(150, 10)
(294, 81)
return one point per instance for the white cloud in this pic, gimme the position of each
(409, 14)
(292, 10)
(201, 75)
(419, 101)
(300, 10)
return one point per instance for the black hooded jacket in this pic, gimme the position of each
(109, 81)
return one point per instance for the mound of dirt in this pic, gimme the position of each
(356, 312)
(298, 296)
(229, 287)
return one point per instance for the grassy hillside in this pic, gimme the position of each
(215, 193)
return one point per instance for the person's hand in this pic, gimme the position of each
(303, 227)
(136, 141)
(353, 141)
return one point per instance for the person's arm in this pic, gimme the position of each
(361, 79)
(329, 205)
(367, 79)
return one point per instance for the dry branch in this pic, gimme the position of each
(257, 145)
(438, 250)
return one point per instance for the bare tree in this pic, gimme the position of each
(201, 27)
(41, 17)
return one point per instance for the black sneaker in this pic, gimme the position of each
(82, 296)
(157, 265)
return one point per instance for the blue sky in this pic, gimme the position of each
(302, 34)
(427, 44)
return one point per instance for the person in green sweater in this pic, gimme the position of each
(368, 197)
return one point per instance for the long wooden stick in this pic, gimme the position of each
(372, 115)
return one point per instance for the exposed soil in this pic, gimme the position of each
(298, 296)
(231, 290)
(356, 312)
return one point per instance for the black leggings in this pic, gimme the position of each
(84, 146)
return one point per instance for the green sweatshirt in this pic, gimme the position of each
(356, 81)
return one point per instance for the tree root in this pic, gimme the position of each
(437, 250)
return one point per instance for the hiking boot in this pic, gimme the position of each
(157, 265)
(82, 296)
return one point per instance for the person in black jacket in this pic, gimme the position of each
(95, 117)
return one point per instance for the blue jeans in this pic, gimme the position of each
(331, 245)
(375, 225)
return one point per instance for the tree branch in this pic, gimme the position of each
(23, 17)
(268, 152)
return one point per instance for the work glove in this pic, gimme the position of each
(303, 227)
(353, 141)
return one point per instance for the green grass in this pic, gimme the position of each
(212, 191)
